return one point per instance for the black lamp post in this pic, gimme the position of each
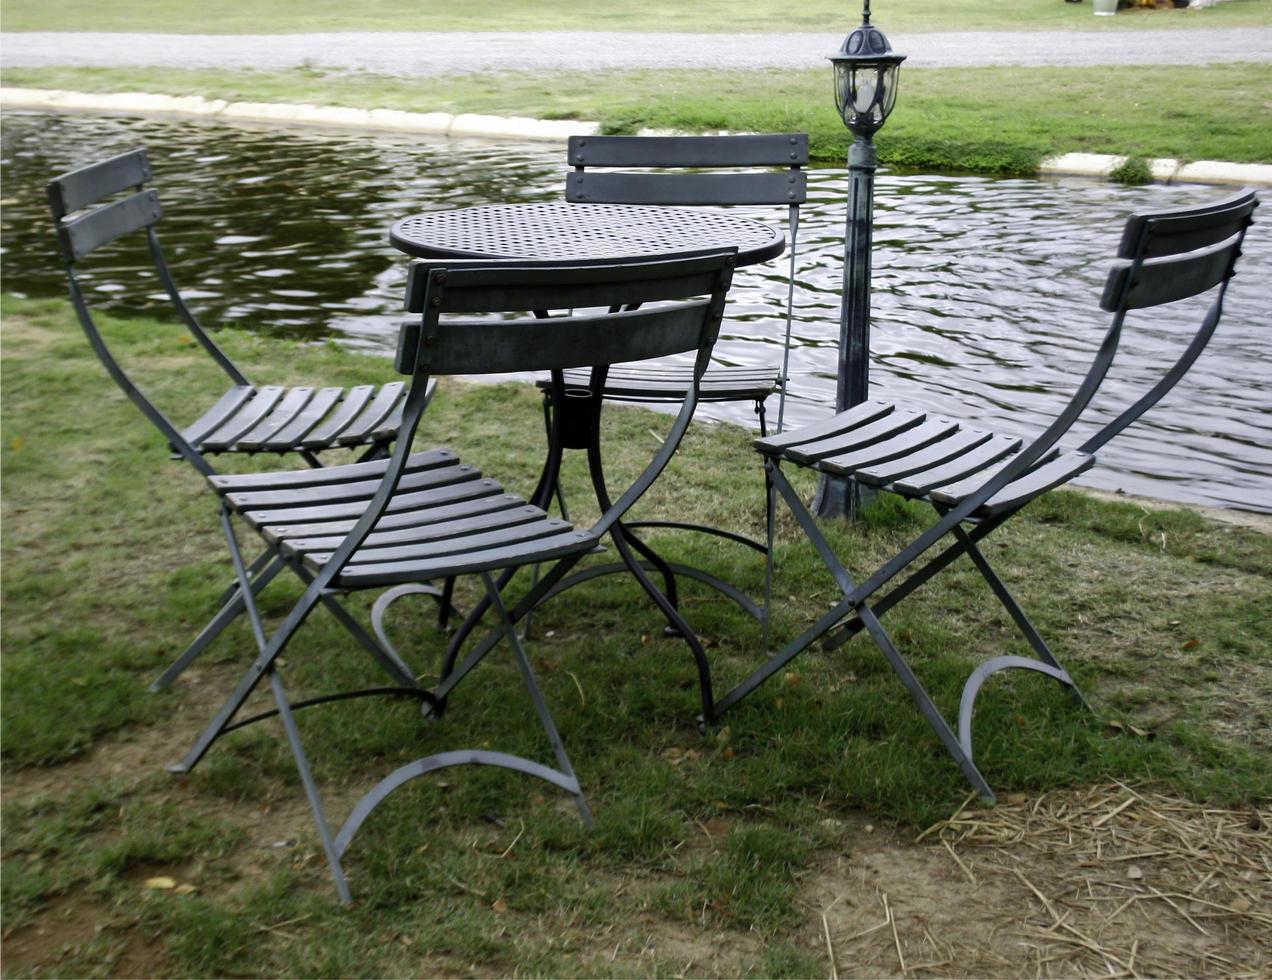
(866, 71)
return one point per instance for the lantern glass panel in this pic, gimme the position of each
(865, 88)
(889, 78)
(843, 90)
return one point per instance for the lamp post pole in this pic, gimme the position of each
(866, 72)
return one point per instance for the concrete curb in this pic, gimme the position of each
(518, 127)
(431, 123)
(1165, 170)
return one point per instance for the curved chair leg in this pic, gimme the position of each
(1018, 615)
(390, 596)
(442, 760)
(967, 703)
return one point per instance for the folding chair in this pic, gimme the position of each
(89, 212)
(603, 174)
(420, 517)
(977, 480)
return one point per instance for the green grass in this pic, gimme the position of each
(285, 16)
(989, 120)
(112, 561)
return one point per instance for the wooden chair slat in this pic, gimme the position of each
(750, 150)
(77, 189)
(91, 231)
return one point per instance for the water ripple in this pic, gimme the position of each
(985, 291)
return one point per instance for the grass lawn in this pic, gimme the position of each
(286, 16)
(714, 854)
(989, 120)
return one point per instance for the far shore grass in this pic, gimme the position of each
(112, 560)
(896, 16)
(999, 121)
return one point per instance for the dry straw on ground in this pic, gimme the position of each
(1123, 881)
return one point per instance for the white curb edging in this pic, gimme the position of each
(1164, 170)
(431, 123)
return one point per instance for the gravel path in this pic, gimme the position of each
(461, 52)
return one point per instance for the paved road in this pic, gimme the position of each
(463, 52)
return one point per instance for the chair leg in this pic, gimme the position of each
(453, 673)
(921, 697)
(509, 630)
(1018, 615)
(675, 621)
(311, 788)
(854, 604)
(264, 662)
(229, 611)
(253, 569)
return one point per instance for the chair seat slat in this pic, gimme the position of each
(910, 441)
(953, 493)
(425, 530)
(459, 544)
(532, 552)
(466, 508)
(880, 473)
(1038, 481)
(288, 407)
(960, 467)
(352, 403)
(326, 475)
(290, 435)
(209, 421)
(391, 396)
(243, 420)
(355, 490)
(859, 415)
(433, 497)
(892, 424)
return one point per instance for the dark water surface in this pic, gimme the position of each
(985, 302)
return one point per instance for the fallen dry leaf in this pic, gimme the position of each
(162, 883)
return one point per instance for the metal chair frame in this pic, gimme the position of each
(419, 517)
(976, 481)
(88, 213)
(689, 174)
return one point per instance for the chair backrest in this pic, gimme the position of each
(94, 206)
(615, 185)
(601, 175)
(603, 333)
(681, 302)
(1164, 257)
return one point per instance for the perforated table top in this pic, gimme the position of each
(557, 230)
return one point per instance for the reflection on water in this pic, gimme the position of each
(985, 291)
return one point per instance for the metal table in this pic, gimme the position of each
(587, 232)
(557, 230)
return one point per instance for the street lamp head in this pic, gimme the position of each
(866, 70)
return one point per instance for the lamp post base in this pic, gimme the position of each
(839, 496)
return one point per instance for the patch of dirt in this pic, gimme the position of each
(68, 925)
(1111, 881)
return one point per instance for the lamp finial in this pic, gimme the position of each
(865, 15)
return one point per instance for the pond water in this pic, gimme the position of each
(985, 291)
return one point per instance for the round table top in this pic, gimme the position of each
(557, 230)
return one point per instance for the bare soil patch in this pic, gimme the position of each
(1108, 881)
